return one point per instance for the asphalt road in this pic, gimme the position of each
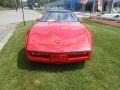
(9, 20)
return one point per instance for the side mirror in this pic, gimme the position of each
(37, 20)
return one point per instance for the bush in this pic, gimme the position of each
(8, 3)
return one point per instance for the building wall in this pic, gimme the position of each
(75, 4)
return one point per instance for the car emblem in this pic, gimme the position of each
(58, 41)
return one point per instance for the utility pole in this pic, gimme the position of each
(93, 8)
(16, 5)
(108, 6)
(23, 12)
(48, 1)
(83, 10)
(112, 6)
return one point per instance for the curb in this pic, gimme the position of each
(107, 23)
(5, 40)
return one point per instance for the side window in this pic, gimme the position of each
(117, 16)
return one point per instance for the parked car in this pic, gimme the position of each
(55, 8)
(110, 16)
(59, 38)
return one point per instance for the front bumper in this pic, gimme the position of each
(58, 58)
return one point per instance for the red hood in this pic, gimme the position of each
(58, 37)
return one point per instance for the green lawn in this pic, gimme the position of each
(102, 72)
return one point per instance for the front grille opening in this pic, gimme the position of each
(81, 54)
(39, 54)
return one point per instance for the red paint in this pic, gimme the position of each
(57, 40)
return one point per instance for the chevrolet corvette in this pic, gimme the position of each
(59, 37)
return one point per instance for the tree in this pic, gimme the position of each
(42, 2)
(9, 3)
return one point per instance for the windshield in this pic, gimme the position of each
(59, 17)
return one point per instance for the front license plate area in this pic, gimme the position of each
(59, 58)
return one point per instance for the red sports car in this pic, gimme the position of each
(59, 38)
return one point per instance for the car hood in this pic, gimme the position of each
(58, 37)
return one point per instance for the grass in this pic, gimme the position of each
(102, 72)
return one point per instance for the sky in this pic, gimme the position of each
(24, 0)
